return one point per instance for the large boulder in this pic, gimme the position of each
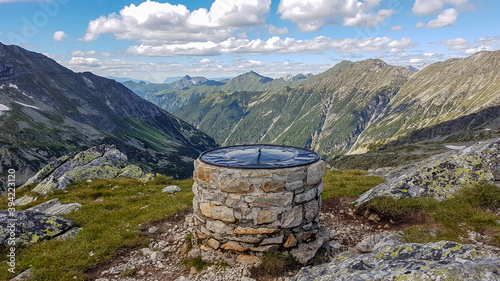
(442, 175)
(432, 261)
(31, 226)
(103, 161)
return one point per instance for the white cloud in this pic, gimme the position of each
(273, 30)
(79, 53)
(397, 27)
(88, 62)
(154, 22)
(493, 40)
(59, 35)
(171, 50)
(417, 60)
(310, 15)
(456, 44)
(473, 50)
(273, 45)
(205, 61)
(420, 25)
(427, 7)
(466, 48)
(446, 18)
(368, 20)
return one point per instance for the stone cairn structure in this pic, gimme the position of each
(247, 212)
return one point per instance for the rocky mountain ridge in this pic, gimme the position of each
(326, 113)
(355, 106)
(177, 94)
(48, 110)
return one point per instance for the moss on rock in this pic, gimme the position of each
(96, 172)
(441, 176)
(442, 260)
(33, 226)
(132, 171)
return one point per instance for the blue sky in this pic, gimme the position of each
(152, 40)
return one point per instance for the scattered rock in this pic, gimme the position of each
(25, 275)
(146, 252)
(157, 256)
(306, 251)
(442, 175)
(374, 218)
(373, 242)
(171, 189)
(25, 200)
(33, 226)
(152, 229)
(103, 161)
(333, 248)
(412, 261)
(54, 207)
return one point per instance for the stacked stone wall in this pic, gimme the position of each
(254, 210)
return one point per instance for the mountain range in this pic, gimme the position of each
(173, 96)
(47, 110)
(354, 107)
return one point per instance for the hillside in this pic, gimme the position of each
(177, 94)
(441, 92)
(355, 107)
(325, 113)
(48, 110)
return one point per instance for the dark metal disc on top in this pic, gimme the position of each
(259, 156)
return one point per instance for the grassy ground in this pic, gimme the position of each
(475, 208)
(108, 226)
(347, 183)
(112, 225)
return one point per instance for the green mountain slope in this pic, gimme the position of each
(326, 113)
(441, 92)
(47, 110)
(175, 95)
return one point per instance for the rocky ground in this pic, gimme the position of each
(162, 259)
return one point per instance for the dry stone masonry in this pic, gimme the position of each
(250, 211)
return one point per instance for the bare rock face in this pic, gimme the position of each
(103, 161)
(442, 175)
(413, 261)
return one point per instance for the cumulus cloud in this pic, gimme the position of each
(492, 40)
(467, 48)
(205, 61)
(273, 30)
(274, 44)
(79, 53)
(88, 62)
(368, 20)
(59, 35)
(427, 7)
(154, 22)
(446, 18)
(310, 15)
(456, 44)
(397, 27)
